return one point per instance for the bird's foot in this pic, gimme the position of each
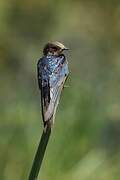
(66, 86)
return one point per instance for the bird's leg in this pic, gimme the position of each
(66, 86)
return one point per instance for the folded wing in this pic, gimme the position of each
(51, 79)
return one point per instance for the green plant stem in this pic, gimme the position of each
(40, 154)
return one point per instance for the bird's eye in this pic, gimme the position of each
(54, 48)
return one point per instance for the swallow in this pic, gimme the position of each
(52, 72)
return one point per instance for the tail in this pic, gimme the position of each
(55, 92)
(45, 100)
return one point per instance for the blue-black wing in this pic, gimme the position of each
(52, 73)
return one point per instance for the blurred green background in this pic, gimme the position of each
(85, 143)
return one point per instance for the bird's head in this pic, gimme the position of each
(54, 48)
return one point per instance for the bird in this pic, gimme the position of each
(52, 72)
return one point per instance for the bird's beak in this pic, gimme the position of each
(66, 48)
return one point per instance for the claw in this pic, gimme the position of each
(66, 86)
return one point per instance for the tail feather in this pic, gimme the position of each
(49, 101)
(54, 101)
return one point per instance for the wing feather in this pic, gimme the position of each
(51, 86)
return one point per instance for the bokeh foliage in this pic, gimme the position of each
(85, 140)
